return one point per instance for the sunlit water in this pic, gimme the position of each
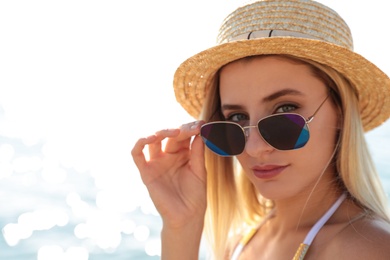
(49, 210)
(77, 79)
(64, 216)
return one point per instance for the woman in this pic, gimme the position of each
(283, 104)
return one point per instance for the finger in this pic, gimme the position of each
(197, 158)
(137, 151)
(168, 133)
(155, 147)
(183, 140)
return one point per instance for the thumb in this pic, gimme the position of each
(197, 158)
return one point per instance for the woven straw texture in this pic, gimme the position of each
(328, 42)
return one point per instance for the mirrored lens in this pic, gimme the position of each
(223, 138)
(284, 131)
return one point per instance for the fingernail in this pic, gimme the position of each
(194, 125)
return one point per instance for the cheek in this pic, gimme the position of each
(323, 140)
(242, 160)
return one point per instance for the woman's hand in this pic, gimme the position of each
(175, 176)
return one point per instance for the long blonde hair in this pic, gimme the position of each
(234, 202)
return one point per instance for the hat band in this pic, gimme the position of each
(271, 33)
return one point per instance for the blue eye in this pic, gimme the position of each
(286, 108)
(238, 118)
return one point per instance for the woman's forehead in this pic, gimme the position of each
(263, 76)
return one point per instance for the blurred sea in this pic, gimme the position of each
(42, 219)
(78, 81)
(49, 210)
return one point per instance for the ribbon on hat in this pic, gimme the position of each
(271, 33)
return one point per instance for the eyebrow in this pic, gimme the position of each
(281, 93)
(269, 98)
(231, 107)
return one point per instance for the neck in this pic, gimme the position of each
(303, 210)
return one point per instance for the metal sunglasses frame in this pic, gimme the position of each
(245, 129)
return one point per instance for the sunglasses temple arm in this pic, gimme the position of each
(315, 112)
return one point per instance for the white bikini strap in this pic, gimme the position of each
(321, 222)
(309, 237)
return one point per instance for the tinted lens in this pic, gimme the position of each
(284, 131)
(223, 138)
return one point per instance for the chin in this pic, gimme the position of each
(276, 191)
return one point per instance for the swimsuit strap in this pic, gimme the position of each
(303, 248)
(245, 239)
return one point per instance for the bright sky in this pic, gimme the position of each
(89, 77)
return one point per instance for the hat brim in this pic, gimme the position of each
(194, 76)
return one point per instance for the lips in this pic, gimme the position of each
(268, 171)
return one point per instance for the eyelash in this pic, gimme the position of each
(291, 107)
(294, 106)
(232, 115)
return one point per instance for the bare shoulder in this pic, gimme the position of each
(367, 238)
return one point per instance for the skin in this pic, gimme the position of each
(303, 190)
(176, 181)
(295, 90)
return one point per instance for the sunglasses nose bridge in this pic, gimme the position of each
(246, 129)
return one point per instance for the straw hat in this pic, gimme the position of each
(300, 28)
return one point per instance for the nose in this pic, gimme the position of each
(255, 144)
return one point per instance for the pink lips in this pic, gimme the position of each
(268, 171)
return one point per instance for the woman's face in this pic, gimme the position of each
(258, 87)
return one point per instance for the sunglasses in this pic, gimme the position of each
(285, 131)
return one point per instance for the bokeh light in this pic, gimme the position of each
(80, 82)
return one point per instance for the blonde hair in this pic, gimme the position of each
(234, 202)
